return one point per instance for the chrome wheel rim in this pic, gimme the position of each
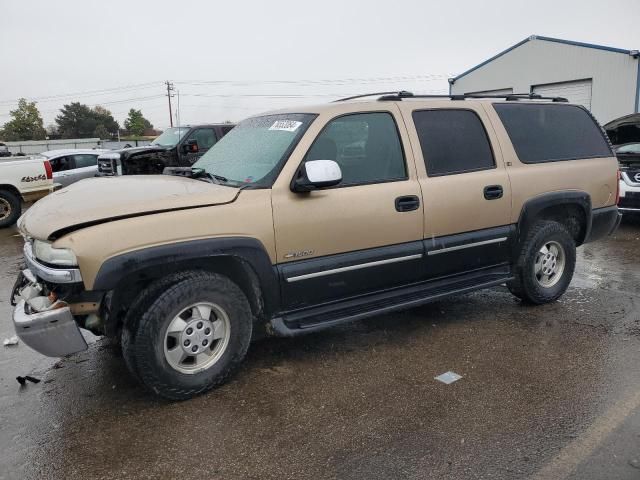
(5, 209)
(197, 337)
(549, 264)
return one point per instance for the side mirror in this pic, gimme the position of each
(191, 146)
(316, 174)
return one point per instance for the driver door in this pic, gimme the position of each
(356, 237)
(205, 138)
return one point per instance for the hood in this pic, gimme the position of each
(624, 129)
(101, 199)
(125, 152)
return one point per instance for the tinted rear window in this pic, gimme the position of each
(452, 141)
(548, 132)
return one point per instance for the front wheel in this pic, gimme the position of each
(191, 337)
(544, 267)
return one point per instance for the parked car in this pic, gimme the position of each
(71, 165)
(274, 231)
(4, 150)
(178, 146)
(25, 180)
(629, 158)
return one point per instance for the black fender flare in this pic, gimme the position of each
(532, 208)
(249, 251)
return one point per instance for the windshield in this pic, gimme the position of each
(170, 137)
(630, 148)
(254, 150)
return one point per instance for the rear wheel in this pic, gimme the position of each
(10, 208)
(545, 264)
(191, 337)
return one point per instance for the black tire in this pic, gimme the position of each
(135, 312)
(143, 338)
(10, 208)
(526, 285)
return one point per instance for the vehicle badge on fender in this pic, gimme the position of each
(303, 253)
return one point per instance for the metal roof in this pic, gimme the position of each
(546, 39)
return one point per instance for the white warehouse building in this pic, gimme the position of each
(605, 80)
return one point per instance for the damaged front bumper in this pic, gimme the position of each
(47, 327)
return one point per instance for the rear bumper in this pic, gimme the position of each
(604, 221)
(30, 197)
(629, 196)
(53, 333)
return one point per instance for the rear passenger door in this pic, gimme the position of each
(465, 187)
(85, 166)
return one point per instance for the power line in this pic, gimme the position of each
(340, 81)
(101, 104)
(238, 83)
(105, 91)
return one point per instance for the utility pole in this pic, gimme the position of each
(178, 108)
(169, 95)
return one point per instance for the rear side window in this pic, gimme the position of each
(452, 141)
(83, 160)
(549, 133)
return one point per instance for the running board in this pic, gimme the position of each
(325, 316)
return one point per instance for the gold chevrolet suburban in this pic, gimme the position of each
(302, 219)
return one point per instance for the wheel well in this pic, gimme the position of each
(572, 216)
(235, 268)
(12, 189)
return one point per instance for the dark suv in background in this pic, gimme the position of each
(176, 147)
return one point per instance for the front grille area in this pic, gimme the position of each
(633, 175)
(630, 200)
(106, 166)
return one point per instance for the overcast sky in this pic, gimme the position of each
(235, 58)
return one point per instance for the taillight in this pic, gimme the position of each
(618, 189)
(47, 169)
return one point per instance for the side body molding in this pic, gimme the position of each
(194, 253)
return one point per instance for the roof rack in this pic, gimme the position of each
(399, 95)
(395, 92)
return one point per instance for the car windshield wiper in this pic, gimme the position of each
(196, 174)
(201, 172)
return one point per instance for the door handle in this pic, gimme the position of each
(407, 203)
(493, 192)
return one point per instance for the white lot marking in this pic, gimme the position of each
(448, 377)
(563, 464)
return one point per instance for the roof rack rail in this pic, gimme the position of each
(395, 93)
(399, 95)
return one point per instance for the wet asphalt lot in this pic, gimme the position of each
(547, 392)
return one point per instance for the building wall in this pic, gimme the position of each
(614, 75)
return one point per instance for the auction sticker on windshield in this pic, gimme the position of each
(286, 125)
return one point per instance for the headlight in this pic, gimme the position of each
(54, 256)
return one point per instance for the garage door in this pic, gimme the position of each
(578, 91)
(500, 91)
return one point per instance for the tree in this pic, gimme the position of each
(77, 120)
(52, 130)
(105, 118)
(25, 124)
(101, 132)
(135, 123)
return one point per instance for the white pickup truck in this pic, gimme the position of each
(24, 180)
